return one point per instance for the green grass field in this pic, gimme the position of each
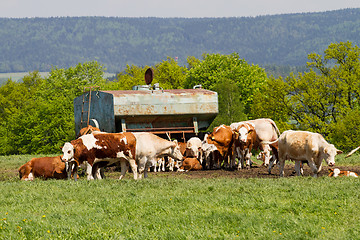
(178, 208)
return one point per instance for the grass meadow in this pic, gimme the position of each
(178, 208)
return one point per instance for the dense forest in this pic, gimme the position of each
(31, 44)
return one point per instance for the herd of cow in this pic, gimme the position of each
(225, 147)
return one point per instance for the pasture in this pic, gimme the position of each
(180, 206)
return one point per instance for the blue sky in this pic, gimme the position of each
(166, 8)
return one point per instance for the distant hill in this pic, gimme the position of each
(30, 44)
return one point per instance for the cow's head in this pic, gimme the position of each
(244, 132)
(329, 154)
(68, 152)
(175, 151)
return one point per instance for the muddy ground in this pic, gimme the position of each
(254, 172)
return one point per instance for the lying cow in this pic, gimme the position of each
(337, 172)
(190, 164)
(302, 145)
(43, 167)
(101, 149)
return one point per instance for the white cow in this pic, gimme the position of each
(149, 148)
(305, 146)
(193, 148)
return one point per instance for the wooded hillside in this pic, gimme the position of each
(40, 43)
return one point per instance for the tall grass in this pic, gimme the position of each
(177, 208)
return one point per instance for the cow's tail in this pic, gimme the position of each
(95, 122)
(270, 143)
(274, 126)
(352, 152)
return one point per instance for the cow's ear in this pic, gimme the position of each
(175, 141)
(339, 151)
(235, 134)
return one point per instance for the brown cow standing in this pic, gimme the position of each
(44, 167)
(222, 137)
(190, 163)
(101, 149)
(244, 141)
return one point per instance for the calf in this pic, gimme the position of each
(102, 149)
(43, 167)
(305, 146)
(189, 164)
(337, 172)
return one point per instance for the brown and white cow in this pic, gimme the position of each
(222, 137)
(341, 173)
(101, 149)
(190, 164)
(305, 146)
(150, 147)
(43, 167)
(244, 141)
(266, 131)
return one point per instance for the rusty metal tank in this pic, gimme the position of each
(147, 109)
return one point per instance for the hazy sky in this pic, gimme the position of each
(166, 8)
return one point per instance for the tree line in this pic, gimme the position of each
(41, 43)
(37, 113)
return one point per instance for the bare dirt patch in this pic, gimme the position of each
(254, 172)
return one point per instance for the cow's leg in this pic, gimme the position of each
(171, 164)
(298, 168)
(148, 164)
(247, 157)
(281, 165)
(89, 171)
(272, 163)
(200, 155)
(68, 169)
(123, 167)
(94, 171)
(313, 168)
(134, 168)
(162, 162)
(75, 170)
(241, 159)
(267, 154)
(99, 173)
